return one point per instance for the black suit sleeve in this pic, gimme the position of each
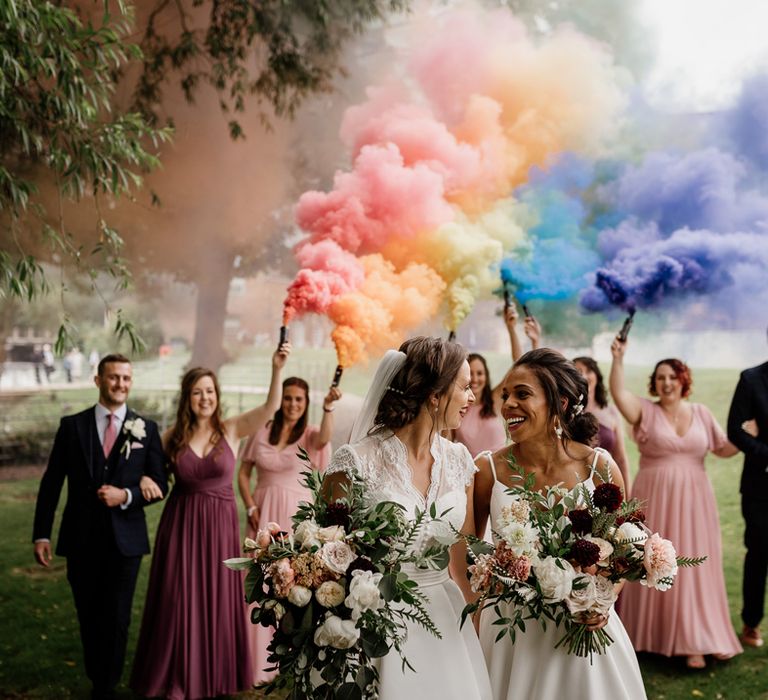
(50, 485)
(154, 467)
(742, 409)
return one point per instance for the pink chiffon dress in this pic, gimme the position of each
(277, 494)
(481, 434)
(692, 617)
(194, 637)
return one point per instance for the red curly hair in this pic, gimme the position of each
(682, 373)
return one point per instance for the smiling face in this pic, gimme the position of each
(477, 376)
(294, 403)
(668, 386)
(525, 409)
(453, 405)
(202, 399)
(114, 384)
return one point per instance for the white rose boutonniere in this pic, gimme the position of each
(133, 428)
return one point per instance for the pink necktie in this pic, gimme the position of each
(110, 435)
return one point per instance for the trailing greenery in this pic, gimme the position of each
(60, 130)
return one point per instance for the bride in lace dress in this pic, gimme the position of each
(544, 396)
(396, 446)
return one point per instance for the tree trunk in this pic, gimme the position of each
(211, 312)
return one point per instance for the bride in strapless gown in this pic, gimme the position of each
(542, 395)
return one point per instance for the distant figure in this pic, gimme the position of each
(76, 359)
(750, 403)
(37, 361)
(673, 437)
(93, 360)
(49, 362)
(102, 452)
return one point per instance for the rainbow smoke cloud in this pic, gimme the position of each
(425, 213)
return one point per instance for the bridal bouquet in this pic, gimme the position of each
(558, 557)
(335, 592)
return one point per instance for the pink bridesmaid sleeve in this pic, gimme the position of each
(715, 434)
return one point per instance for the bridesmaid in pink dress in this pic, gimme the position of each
(674, 436)
(273, 452)
(194, 638)
(482, 429)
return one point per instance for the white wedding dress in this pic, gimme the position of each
(532, 669)
(447, 668)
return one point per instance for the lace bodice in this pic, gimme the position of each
(382, 460)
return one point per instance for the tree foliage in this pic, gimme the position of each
(277, 51)
(59, 128)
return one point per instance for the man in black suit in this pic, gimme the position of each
(103, 452)
(750, 402)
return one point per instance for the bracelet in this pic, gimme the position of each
(251, 510)
(329, 410)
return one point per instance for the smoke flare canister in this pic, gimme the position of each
(452, 337)
(337, 375)
(507, 300)
(283, 336)
(527, 311)
(624, 332)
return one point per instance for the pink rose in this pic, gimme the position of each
(263, 538)
(660, 561)
(282, 575)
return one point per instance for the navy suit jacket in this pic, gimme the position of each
(85, 516)
(750, 401)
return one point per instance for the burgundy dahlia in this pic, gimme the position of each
(337, 513)
(584, 553)
(607, 496)
(581, 521)
(361, 564)
(637, 516)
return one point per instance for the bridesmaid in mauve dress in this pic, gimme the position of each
(274, 452)
(674, 436)
(610, 432)
(194, 636)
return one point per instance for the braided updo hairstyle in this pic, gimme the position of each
(430, 368)
(560, 380)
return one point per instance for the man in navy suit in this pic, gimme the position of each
(102, 452)
(750, 402)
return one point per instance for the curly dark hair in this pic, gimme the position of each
(682, 372)
(560, 380)
(430, 369)
(486, 395)
(601, 395)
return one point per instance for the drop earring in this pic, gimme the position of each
(559, 430)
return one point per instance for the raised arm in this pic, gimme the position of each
(510, 320)
(620, 449)
(628, 404)
(323, 437)
(254, 420)
(532, 329)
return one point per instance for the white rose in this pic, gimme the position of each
(306, 534)
(522, 538)
(555, 577)
(138, 428)
(337, 633)
(299, 596)
(606, 549)
(438, 532)
(337, 556)
(330, 594)
(605, 595)
(582, 600)
(629, 532)
(332, 533)
(364, 593)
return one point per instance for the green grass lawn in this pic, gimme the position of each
(39, 643)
